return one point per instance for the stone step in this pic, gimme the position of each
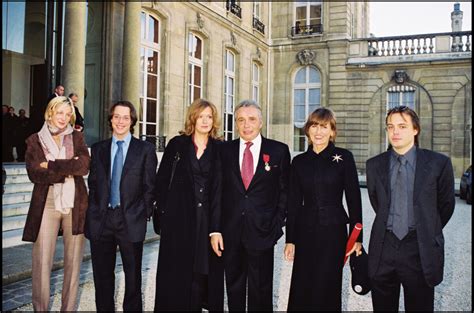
(19, 187)
(12, 238)
(17, 179)
(15, 209)
(15, 169)
(19, 197)
(13, 222)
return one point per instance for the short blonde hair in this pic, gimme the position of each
(57, 102)
(193, 114)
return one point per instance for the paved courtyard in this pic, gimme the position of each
(453, 294)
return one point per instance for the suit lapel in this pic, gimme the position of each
(383, 171)
(131, 157)
(104, 156)
(421, 172)
(234, 162)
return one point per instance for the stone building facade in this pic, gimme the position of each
(291, 57)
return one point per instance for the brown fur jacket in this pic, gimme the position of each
(55, 173)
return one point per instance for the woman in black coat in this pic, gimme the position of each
(316, 231)
(189, 276)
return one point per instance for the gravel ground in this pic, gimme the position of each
(453, 294)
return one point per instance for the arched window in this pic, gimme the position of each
(149, 74)
(306, 98)
(255, 82)
(195, 65)
(229, 95)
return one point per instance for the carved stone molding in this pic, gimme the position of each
(232, 38)
(199, 20)
(400, 76)
(306, 56)
(259, 53)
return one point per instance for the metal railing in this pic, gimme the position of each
(158, 141)
(304, 30)
(258, 25)
(234, 9)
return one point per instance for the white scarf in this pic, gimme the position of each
(63, 192)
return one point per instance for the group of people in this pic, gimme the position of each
(222, 207)
(15, 129)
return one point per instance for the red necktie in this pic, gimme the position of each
(247, 165)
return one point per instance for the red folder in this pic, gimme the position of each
(352, 239)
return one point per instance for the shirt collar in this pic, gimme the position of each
(410, 155)
(126, 140)
(256, 141)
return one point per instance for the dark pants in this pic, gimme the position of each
(400, 264)
(103, 254)
(240, 265)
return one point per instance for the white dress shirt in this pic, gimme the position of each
(255, 149)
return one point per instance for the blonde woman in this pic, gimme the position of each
(56, 160)
(189, 277)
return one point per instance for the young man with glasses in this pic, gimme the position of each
(121, 195)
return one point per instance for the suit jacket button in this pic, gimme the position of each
(199, 204)
(246, 196)
(243, 213)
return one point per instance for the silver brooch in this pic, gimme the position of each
(337, 158)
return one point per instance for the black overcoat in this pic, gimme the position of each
(317, 225)
(177, 206)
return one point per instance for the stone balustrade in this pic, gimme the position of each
(420, 44)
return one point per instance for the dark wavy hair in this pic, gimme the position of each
(406, 110)
(133, 113)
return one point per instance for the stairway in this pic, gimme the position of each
(15, 204)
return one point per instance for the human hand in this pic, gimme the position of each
(217, 244)
(357, 248)
(289, 252)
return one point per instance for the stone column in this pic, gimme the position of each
(131, 53)
(74, 57)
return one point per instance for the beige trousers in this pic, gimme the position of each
(43, 255)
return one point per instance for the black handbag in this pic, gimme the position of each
(360, 273)
(156, 210)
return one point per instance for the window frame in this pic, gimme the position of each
(257, 9)
(308, 5)
(228, 112)
(401, 90)
(255, 83)
(194, 62)
(306, 86)
(147, 45)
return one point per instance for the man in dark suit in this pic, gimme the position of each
(58, 92)
(252, 214)
(412, 193)
(121, 194)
